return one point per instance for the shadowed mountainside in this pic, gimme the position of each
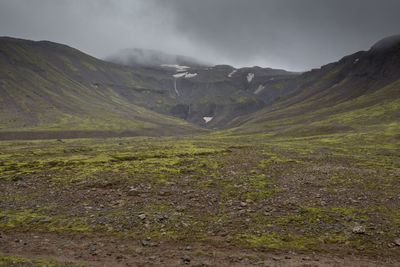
(51, 87)
(359, 92)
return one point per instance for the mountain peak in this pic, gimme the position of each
(387, 43)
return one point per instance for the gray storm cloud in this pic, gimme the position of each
(290, 34)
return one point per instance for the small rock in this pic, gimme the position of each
(276, 258)
(189, 248)
(133, 192)
(241, 212)
(142, 216)
(243, 204)
(224, 234)
(287, 257)
(359, 229)
(145, 243)
(306, 258)
(199, 264)
(186, 258)
(153, 258)
(165, 193)
(397, 241)
(180, 208)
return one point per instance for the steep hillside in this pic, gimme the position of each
(358, 92)
(221, 93)
(51, 87)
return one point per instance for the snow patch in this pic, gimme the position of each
(178, 68)
(259, 89)
(190, 75)
(231, 74)
(356, 60)
(185, 75)
(207, 119)
(179, 75)
(250, 77)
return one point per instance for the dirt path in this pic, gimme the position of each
(106, 251)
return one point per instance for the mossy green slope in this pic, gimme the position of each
(361, 92)
(52, 87)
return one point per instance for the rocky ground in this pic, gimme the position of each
(210, 200)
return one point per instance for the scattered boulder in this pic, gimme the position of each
(186, 259)
(133, 192)
(359, 229)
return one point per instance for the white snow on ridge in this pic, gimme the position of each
(179, 75)
(190, 75)
(259, 89)
(177, 67)
(207, 119)
(231, 74)
(356, 60)
(250, 77)
(185, 75)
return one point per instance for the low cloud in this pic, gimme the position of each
(295, 35)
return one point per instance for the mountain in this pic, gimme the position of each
(359, 92)
(48, 88)
(209, 96)
(52, 87)
(221, 92)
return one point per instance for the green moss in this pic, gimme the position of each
(21, 261)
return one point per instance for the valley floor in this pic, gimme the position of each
(208, 200)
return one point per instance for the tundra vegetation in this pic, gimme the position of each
(255, 194)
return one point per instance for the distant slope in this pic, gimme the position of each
(358, 92)
(219, 93)
(222, 92)
(51, 87)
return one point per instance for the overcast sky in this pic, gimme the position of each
(290, 34)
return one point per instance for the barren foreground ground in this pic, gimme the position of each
(212, 200)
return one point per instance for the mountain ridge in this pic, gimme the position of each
(52, 87)
(365, 79)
